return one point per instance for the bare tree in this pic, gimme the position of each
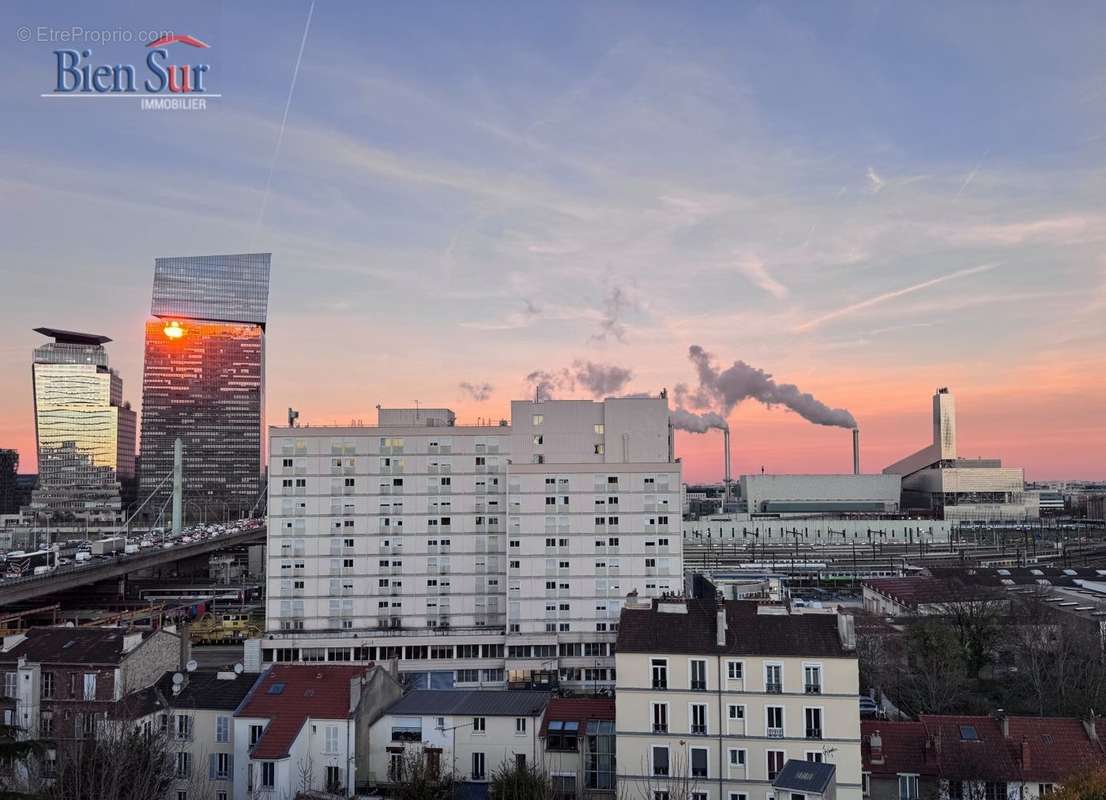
(975, 612)
(678, 784)
(420, 776)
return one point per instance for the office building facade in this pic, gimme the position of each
(475, 555)
(204, 382)
(85, 432)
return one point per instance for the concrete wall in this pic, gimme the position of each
(767, 492)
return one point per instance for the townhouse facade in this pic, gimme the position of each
(473, 556)
(578, 743)
(297, 728)
(466, 733)
(59, 683)
(714, 697)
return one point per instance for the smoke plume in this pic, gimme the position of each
(685, 420)
(598, 380)
(477, 391)
(740, 381)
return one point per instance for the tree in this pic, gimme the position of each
(521, 782)
(678, 784)
(121, 761)
(933, 680)
(1090, 785)
(976, 615)
(16, 757)
(419, 776)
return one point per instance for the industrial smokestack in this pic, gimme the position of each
(856, 451)
(725, 468)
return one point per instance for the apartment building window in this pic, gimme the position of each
(698, 717)
(660, 760)
(220, 766)
(255, 734)
(735, 670)
(184, 727)
(11, 684)
(773, 722)
(48, 685)
(737, 757)
(992, 790)
(815, 756)
(775, 763)
(478, 725)
(184, 764)
(330, 746)
(538, 419)
(660, 673)
(268, 774)
(698, 762)
(736, 712)
(699, 796)
(520, 726)
(813, 723)
(738, 796)
(478, 766)
(697, 669)
(660, 717)
(773, 678)
(908, 788)
(812, 678)
(90, 686)
(334, 779)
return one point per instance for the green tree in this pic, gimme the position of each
(1089, 785)
(934, 679)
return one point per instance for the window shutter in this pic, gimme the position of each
(230, 766)
(211, 767)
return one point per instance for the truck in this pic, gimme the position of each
(109, 546)
(130, 549)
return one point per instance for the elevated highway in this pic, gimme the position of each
(73, 576)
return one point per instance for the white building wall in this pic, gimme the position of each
(759, 490)
(435, 536)
(500, 742)
(635, 697)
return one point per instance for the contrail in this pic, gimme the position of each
(284, 120)
(883, 298)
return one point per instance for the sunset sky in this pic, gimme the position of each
(868, 200)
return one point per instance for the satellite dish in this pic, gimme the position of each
(239, 669)
(178, 679)
(191, 665)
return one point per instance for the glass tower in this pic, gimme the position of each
(84, 430)
(204, 381)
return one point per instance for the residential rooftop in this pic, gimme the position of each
(688, 625)
(580, 710)
(64, 645)
(470, 702)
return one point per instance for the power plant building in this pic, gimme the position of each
(204, 382)
(821, 494)
(935, 481)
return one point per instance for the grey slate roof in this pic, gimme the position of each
(470, 702)
(205, 690)
(807, 777)
(747, 632)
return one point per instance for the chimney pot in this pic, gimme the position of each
(876, 745)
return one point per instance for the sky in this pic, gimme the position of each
(867, 200)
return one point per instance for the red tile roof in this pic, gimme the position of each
(315, 692)
(904, 748)
(1033, 749)
(579, 709)
(920, 590)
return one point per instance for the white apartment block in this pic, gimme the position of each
(713, 698)
(473, 555)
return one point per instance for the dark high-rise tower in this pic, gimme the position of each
(204, 381)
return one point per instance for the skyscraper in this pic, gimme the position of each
(204, 381)
(9, 470)
(85, 432)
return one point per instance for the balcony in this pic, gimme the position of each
(699, 730)
(698, 686)
(774, 733)
(814, 733)
(812, 688)
(660, 684)
(773, 688)
(659, 727)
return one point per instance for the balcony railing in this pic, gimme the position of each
(812, 688)
(773, 688)
(775, 733)
(699, 730)
(814, 733)
(698, 686)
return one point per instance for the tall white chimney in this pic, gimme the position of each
(725, 466)
(856, 451)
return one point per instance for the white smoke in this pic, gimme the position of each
(598, 380)
(741, 381)
(477, 391)
(685, 420)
